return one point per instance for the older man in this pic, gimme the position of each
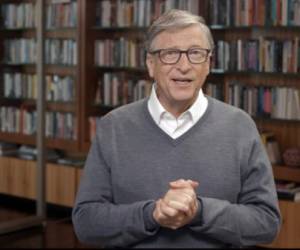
(179, 169)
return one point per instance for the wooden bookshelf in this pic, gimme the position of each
(60, 28)
(87, 75)
(18, 178)
(260, 25)
(287, 173)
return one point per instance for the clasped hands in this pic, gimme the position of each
(178, 206)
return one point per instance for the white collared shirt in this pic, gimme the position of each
(173, 126)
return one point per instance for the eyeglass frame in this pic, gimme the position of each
(158, 51)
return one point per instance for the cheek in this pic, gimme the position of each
(161, 73)
(203, 72)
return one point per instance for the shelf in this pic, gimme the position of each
(63, 33)
(17, 65)
(287, 173)
(13, 33)
(18, 138)
(116, 69)
(122, 29)
(61, 106)
(253, 27)
(62, 144)
(256, 74)
(60, 69)
(30, 103)
(269, 119)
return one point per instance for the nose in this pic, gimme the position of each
(183, 63)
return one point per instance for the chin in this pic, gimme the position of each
(183, 96)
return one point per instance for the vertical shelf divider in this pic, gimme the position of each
(39, 218)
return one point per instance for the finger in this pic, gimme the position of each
(179, 206)
(184, 184)
(167, 210)
(178, 182)
(157, 214)
(194, 184)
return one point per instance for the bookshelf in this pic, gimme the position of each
(18, 73)
(258, 51)
(18, 93)
(104, 67)
(18, 178)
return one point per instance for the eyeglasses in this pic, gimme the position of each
(172, 56)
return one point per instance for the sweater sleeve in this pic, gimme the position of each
(255, 218)
(97, 220)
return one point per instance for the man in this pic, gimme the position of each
(179, 169)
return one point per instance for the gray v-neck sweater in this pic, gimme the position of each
(131, 162)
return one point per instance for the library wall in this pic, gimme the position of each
(95, 62)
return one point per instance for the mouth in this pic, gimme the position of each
(182, 81)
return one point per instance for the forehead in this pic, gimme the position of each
(183, 38)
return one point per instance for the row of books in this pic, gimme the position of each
(61, 14)
(19, 120)
(19, 85)
(259, 55)
(115, 90)
(140, 13)
(24, 151)
(254, 12)
(60, 88)
(20, 51)
(24, 86)
(61, 51)
(30, 153)
(57, 51)
(215, 90)
(61, 125)
(274, 102)
(119, 53)
(23, 15)
(17, 16)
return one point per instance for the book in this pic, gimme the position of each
(71, 161)
(288, 191)
(7, 149)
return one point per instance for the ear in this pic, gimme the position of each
(150, 65)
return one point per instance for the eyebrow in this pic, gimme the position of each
(191, 47)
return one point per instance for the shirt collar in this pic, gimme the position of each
(157, 110)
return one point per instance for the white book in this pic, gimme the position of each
(296, 93)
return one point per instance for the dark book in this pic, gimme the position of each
(288, 191)
(291, 195)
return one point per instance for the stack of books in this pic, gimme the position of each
(288, 190)
(8, 149)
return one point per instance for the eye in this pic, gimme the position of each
(197, 52)
(169, 53)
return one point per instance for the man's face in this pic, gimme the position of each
(178, 84)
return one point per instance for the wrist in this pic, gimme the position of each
(151, 223)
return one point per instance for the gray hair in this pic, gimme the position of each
(176, 19)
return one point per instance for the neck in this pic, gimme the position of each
(177, 108)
